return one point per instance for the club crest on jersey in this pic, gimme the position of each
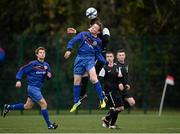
(94, 43)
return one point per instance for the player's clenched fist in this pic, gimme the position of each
(18, 84)
(67, 54)
(71, 30)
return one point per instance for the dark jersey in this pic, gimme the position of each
(111, 82)
(111, 79)
(124, 72)
(105, 39)
(124, 79)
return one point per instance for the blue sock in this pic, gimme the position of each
(46, 116)
(76, 91)
(98, 88)
(19, 106)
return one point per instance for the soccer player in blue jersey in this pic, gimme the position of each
(36, 72)
(89, 50)
(104, 36)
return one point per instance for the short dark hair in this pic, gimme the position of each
(121, 51)
(39, 48)
(109, 52)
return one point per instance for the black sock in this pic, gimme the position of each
(84, 83)
(114, 117)
(109, 115)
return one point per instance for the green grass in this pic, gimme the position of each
(135, 122)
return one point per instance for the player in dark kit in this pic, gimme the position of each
(111, 75)
(104, 36)
(36, 72)
(124, 82)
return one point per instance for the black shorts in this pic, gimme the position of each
(114, 99)
(125, 94)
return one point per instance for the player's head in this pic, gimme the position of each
(109, 56)
(121, 55)
(92, 21)
(96, 28)
(40, 53)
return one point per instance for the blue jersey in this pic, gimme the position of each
(36, 73)
(89, 46)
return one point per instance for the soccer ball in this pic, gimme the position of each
(91, 13)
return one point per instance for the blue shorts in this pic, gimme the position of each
(34, 93)
(81, 64)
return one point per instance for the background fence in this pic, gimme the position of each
(150, 59)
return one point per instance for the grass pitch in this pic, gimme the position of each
(135, 122)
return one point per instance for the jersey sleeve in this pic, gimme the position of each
(105, 38)
(48, 68)
(106, 31)
(24, 70)
(75, 39)
(99, 55)
(102, 73)
(48, 71)
(101, 58)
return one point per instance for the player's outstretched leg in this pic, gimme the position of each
(99, 91)
(5, 110)
(77, 102)
(113, 120)
(105, 123)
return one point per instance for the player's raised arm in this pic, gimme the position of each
(48, 71)
(71, 44)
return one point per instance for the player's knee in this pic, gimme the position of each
(77, 81)
(43, 105)
(94, 79)
(132, 102)
(120, 109)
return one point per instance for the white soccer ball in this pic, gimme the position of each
(91, 13)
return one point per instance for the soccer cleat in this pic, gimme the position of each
(112, 126)
(102, 103)
(5, 110)
(53, 126)
(105, 122)
(75, 106)
(104, 125)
